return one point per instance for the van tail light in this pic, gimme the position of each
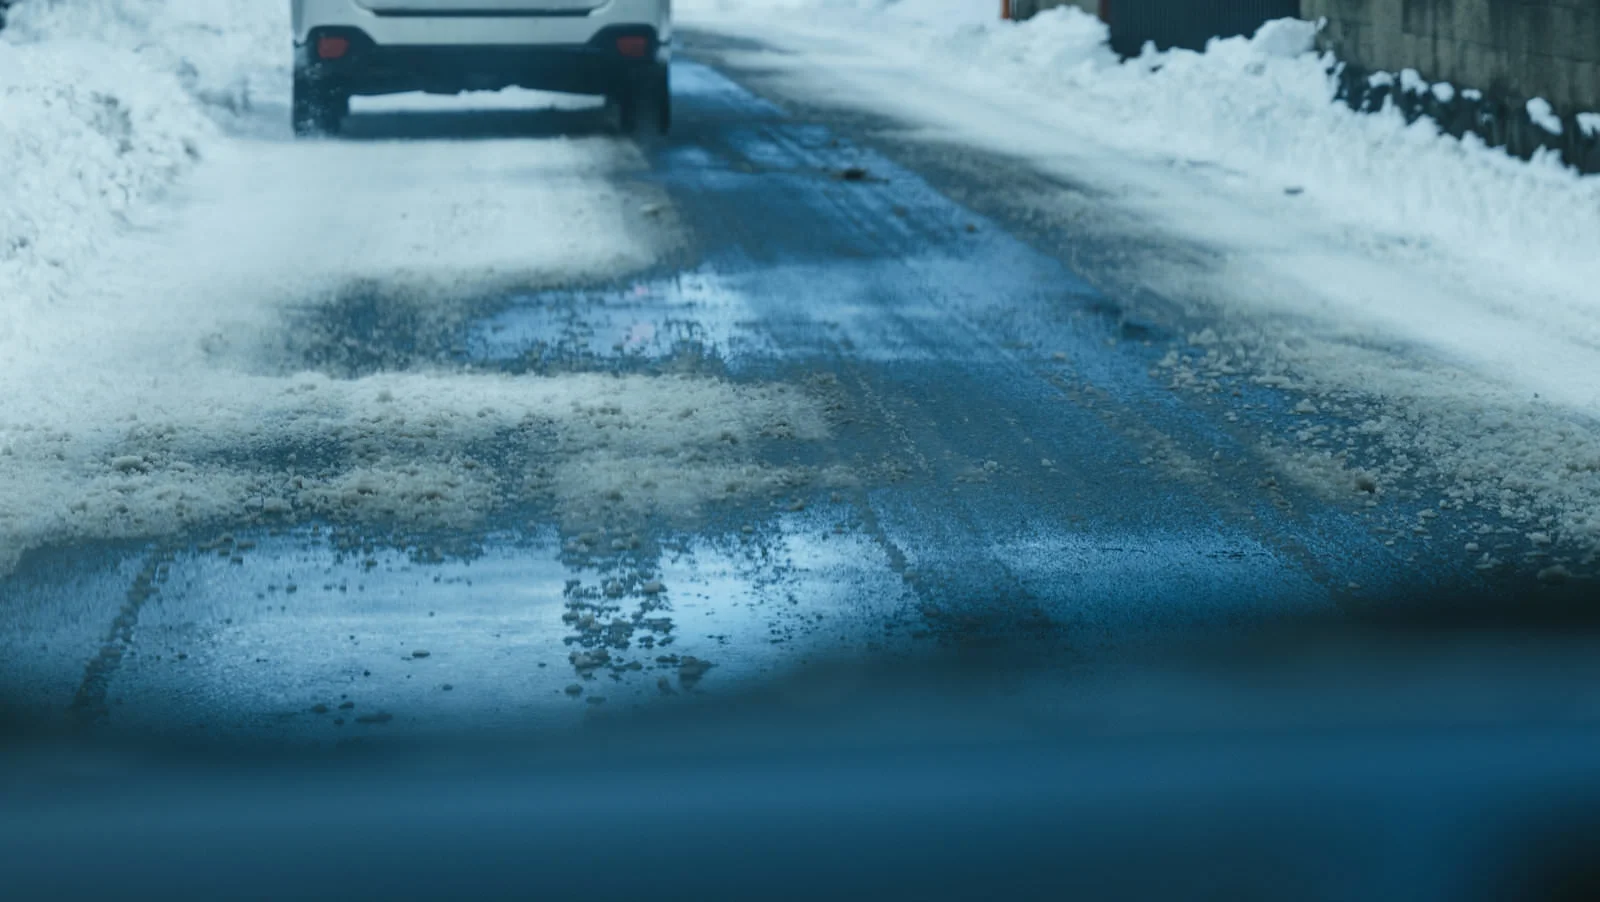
(332, 47)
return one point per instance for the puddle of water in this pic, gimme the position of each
(297, 638)
(256, 647)
(656, 320)
(794, 594)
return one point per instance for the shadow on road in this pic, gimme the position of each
(476, 124)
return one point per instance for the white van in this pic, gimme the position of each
(619, 49)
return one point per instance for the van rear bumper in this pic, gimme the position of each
(596, 66)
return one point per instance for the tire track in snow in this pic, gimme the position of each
(89, 704)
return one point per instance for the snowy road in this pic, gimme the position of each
(852, 396)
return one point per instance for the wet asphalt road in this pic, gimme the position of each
(1021, 475)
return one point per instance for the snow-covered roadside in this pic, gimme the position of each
(108, 104)
(172, 296)
(87, 134)
(230, 55)
(1435, 292)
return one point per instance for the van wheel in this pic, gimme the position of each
(317, 110)
(644, 103)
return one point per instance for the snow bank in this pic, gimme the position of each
(103, 109)
(1261, 106)
(1264, 106)
(87, 132)
(229, 54)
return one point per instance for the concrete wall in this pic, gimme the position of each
(1510, 51)
(1026, 8)
(1516, 48)
(1171, 23)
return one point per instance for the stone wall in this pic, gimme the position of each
(1499, 54)
(1522, 48)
